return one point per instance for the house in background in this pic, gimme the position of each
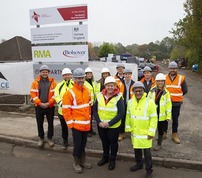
(16, 49)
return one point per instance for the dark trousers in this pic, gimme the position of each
(161, 125)
(40, 113)
(63, 126)
(109, 139)
(175, 116)
(147, 158)
(79, 139)
(91, 122)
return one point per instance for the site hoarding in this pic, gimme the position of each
(62, 53)
(25, 72)
(59, 34)
(54, 15)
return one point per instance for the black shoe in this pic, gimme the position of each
(148, 175)
(103, 161)
(111, 165)
(136, 167)
(65, 144)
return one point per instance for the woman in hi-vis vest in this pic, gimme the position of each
(108, 111)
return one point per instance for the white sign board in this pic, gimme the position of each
(59, 34)
(58, 14)
(67, 53)
(16, 78)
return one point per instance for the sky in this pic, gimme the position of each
(112, 21)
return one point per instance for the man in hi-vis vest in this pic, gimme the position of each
(60, 90)
(177, 86)
(76, 109)
(141, 121)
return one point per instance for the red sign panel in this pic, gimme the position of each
(74, 13)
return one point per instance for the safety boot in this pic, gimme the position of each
(50, 142)
(165, 135)
(175, 138)
(121, 136)
(65, 144)
(112, 164)
(103, 161)
(159, 143)
(83, 162)
(41, 142)
(76, 166)
(136, 167)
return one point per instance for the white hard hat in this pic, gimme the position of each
(127, 70)
(110, 79)
(44, 67)
(66, 71)
(138, 85)
(88, 69)
(172, 65)
(147, 68)
(120, 65)
(79, 72)
(105, 69)
(160, 76)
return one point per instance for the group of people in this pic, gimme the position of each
(117, 103)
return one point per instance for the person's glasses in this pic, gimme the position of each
(138, 91)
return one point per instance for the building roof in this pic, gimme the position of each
(15, 49)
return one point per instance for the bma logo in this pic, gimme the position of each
(42, 54)
(4, 84)
(36, 17)
(73, 54)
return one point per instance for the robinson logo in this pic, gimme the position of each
(73, 54)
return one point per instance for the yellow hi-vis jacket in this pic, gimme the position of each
(60, 90)
(141, 121)
(108, 111)
(93, 90)
(165, 104)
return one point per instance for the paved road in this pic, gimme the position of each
(23, 162)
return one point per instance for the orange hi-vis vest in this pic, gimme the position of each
(34, 92)
(174, 87)
(76, 108)
(152, 81)
(119, 84)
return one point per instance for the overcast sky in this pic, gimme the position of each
(124, 21)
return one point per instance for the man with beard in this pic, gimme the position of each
(42, 94)
(76, 109)
(177, 86)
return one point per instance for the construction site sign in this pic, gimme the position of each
(62, 53)
(59, 34)
(54, 15)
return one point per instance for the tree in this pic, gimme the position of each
(119, 48)
(188, 31)
(106, 49)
